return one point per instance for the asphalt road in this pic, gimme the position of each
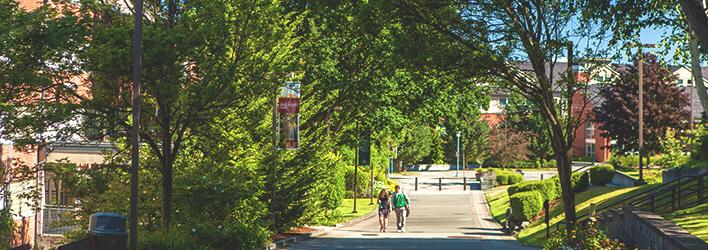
(447, 219)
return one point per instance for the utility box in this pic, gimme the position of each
(107, 224)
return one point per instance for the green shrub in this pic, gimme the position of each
(362, 183)
(503, 178)
(515, 178)
(580, 181)
(550, 164)
(624, 162)
(526, 205)
(170, 240)
(601, 175)
(6, 228)
(546, 188)
(584, 237)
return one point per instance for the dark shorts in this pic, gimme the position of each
(383, 213)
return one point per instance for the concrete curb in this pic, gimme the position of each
(317, 232)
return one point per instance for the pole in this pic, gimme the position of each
(371, 187)
(416, 183)
(135, 133)
(457, 164)
(356, 167)
(640, 105)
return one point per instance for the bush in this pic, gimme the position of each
(550, 164)
(506, 177)
(547, 188)
(624, 162)
(526, 205)
(503, 178)
(362, 183)
(170, 240)
(6, 228)
(601, 175)
(585, 237)
(515, 178)
(579, 181)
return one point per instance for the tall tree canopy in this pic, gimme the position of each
(496, 35)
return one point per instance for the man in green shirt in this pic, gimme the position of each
(401, 204)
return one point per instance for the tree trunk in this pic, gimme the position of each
(697, 19)
(167, 193)
(697, 74)
(563, 162)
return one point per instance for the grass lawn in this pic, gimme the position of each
(535, 234)
(651, 176)
(498, 201)
(345, 210)
(694, 220)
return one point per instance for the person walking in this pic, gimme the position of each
(401, 205)
(384, 202)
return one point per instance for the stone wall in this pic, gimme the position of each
(622, 180)
(673, 174)
(646, 230)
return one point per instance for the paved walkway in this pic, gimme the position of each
(448, 219)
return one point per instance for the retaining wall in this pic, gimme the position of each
(646, 230)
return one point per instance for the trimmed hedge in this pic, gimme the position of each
(526, 205)
(515, 178)
(505, 177)
(580, 181)
(549, 188)
(601, 175)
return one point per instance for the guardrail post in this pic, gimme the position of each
(439, 184)
(673, 198)
(416, 183)
(653, 197)
(678, 195)
(464, 183)
(541, 176)
(700, 189)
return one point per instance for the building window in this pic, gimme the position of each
(590, 150)
(689, 82)
(589, 130)
(58, 204)
(504, 101)
(679, 82)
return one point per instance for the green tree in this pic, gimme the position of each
(496, 35)
(521, 115)
(200, 60)
(664, 104)
(672, 149)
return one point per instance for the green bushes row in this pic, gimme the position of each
(526, 205)
(601, 175)
(526, 198)
(538, 163)
(624, 161)
(503, 176)
(548, 188)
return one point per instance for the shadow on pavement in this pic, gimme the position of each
(407, 243)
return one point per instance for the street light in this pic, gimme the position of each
(457, 172)
(640, 106)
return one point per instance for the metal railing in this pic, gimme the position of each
(53, 220)
(675, 195)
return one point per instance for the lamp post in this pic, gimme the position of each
(640, 106)
(457, 154)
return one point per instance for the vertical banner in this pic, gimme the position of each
(365, 148)
(289, 116)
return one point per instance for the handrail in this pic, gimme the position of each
(647, 195)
